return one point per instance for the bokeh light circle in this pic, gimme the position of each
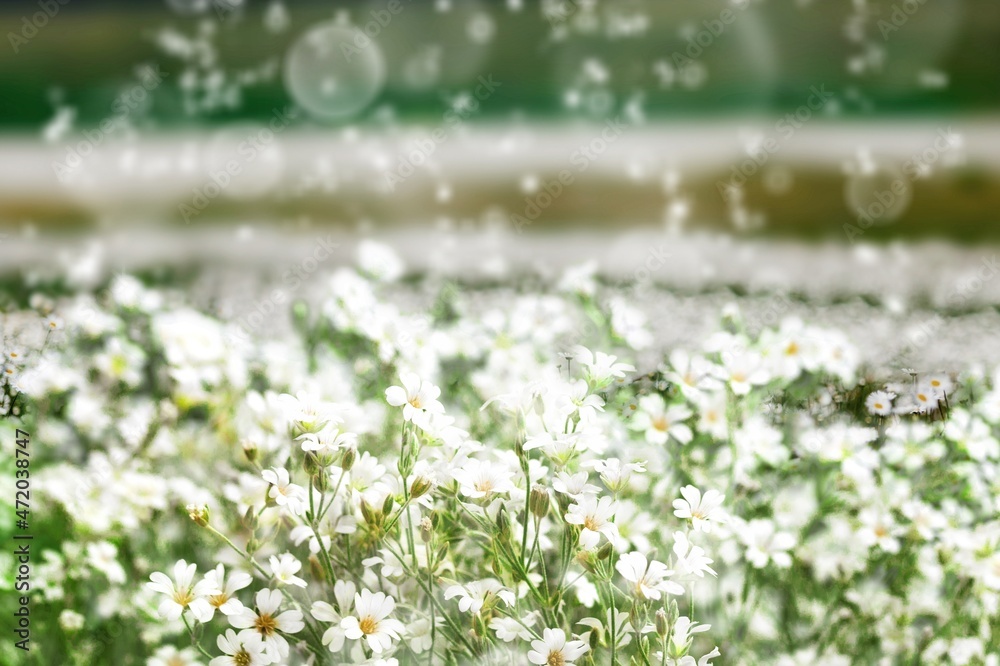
(879, 192)
(334, 72)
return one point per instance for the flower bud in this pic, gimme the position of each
(661, 623)
(198, 513)
(250, 450)
(367, 512)
(586, 559)
(604, 552)
(426, 530)
(316, 569)
(594, 639)
(347, 461)
(503, 523)
(420, 486)
(310, 463)
(250, 518)
(538, 501)
(321, 481)
(388, 504)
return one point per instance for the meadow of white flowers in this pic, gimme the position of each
(447, 485)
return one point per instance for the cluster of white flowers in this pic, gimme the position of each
(393, 487)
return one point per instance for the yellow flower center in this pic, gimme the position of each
(792, 349)
(266, 625)
(183, 597)
(218, 599)
(661, 423)
(415, 402)
(242, 658)
(591, 523)
(555, 659)
(368, 625)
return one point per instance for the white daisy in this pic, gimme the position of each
(168, 655)
(659, 422)
(879, 403)
(181, 593)
(343, 593)
(765, 544)
(269, 623)
(473, 596)
(602, 368)
(327, 441)
(554, 650)
(700, 509)
(594, 515)
(648, 578)
(225, 600)
(418, 398)
(370, 621)
(283, 491)
(284, 568)
(242, 649)
(480, 478)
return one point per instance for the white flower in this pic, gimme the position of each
(764, 544)
(168, 655)
(573, 485)
(418, 635)
(418, 399)
(181, 593)
(691, 559)
(473, 596)
(922, 400)
(553, 649)
(693, 374)
(743, 371)
(379, 261)
(510, 629)
(306, 412)
(660, 422)
(879, 403)
(243, 649)
(681, 634)
(479, 478)
(700, 509)
(343, 592)
(601, 368)
(648, 578)
(370, 621)
(329, 440)
(103, 556)
(878, 529)
(70, 620)
(284, 568)
(595, 516)
(615, 474)
(224, 600)
(940, 384)
(267, 622)
(283, 491)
